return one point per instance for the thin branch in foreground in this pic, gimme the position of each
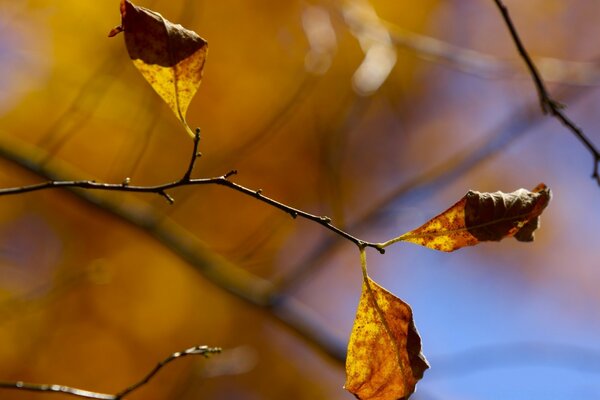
(548, 104)
(161, 190)
(195, 156)
(52, 388)
(185, 180)
(224, 274)
(193, 351)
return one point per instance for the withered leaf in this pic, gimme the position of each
(479, 217)
(170, 57)
(384, 360)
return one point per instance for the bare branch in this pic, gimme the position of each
(32, 387)
(293, 212)
(195, 155)
(161, 190)
(222, 273)
(517, 125)
(193, 351)
(548, 104)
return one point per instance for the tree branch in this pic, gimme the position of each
(518, 124)
(186, 180)
(161, 190)
(195, 155)
(548, 104)
(32, 387)
(222, 273)
(193, 351)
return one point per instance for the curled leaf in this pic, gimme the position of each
(384, 360)
(479, 217)
(170, 57)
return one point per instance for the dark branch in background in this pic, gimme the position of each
(548, 104)
(502, 355)
(186, 180)
(32, 387)
(221, 272)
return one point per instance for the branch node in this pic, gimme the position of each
(230, 174)
(325, 220)
(258, 192)
(126, 182)
(595, 172)
(557, 105)
(167, 196)
(204, 350)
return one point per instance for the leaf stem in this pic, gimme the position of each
(390, 242)
(363, 266)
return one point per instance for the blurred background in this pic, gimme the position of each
(379, 114)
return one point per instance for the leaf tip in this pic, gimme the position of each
(116, 30)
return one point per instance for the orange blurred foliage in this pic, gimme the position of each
(92, 301)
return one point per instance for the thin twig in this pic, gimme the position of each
(548, 104)
(161, 190)
(195, 155)
(33, 387)
(221, 272)
(422, 184)
(544, 96)
(293, 212)
(194, 351)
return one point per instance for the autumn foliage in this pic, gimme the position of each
(385, 357)
(170, 57)
(481, 217)
(384, 353)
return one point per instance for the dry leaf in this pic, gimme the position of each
(384, 359)
(170, 57)
(480, 217)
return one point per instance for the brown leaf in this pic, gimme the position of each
(170, 57)
(479, 217)
(384, 360)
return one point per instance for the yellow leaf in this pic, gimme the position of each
(384, 360)
(170, 57)
(479, 217)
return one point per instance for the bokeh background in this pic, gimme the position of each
(379, 114)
